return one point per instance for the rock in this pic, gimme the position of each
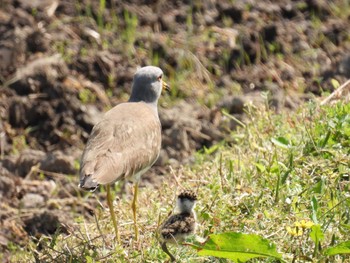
(31, 200)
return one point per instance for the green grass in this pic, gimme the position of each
(286, 179)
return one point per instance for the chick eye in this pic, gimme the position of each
(160, 77)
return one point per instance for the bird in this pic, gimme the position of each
(179, 226)
(126, 141)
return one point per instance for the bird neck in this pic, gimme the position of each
(185, 206)
(148, 94)
(186, 213)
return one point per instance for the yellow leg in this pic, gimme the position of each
(111, 211)
(133, 206)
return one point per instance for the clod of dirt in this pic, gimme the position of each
(100, 67)
(289, 11)
(37, 41)
(232, 11)
(344, 66)
(9, 163)
(46, 223)
(234, 104)
(27, 160)
(269, 32)
(187, 128)
(40, 75)
(12, 231)
(24, 112)
(91, 115)
(46, 7)
(12, 51)
(7, 184)
(58, 162)
(317, 7)
(163, 158)
(43, 188)
(31, 200)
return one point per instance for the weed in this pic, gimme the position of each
(86, 96)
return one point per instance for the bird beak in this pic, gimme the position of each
(165, 86)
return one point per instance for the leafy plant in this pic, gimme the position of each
(238, 247)
(341, 248)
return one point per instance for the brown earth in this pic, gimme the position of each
(62, 63)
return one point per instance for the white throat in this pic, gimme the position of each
(185, 205)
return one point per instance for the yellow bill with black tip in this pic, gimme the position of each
(165, 86)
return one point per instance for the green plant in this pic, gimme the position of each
(237, 247)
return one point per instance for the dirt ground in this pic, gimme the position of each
(63, 63)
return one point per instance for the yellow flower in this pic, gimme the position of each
(304, 224)
(295, 231)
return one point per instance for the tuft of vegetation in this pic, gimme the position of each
(284, 181)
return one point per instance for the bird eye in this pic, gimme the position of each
(160, 77)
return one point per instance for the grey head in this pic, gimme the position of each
(147, 85)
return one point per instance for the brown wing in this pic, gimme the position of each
(179, 224)
(126, 141)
